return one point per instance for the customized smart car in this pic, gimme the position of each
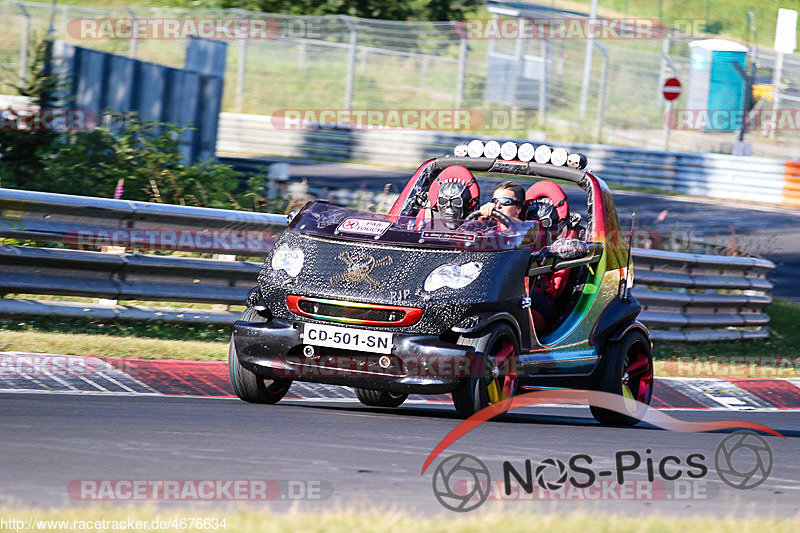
(432, 298)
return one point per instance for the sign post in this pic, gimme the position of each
(671, 91)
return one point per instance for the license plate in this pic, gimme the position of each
(362, 340)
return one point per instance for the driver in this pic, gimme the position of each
(508, 198)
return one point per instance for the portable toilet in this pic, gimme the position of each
(715, 86)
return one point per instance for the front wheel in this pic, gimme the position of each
(494, 373)
(379, 398)
(627, 373)
(248, 385)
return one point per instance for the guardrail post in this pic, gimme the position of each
(110, 250)
(351, 65)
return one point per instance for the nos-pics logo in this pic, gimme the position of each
(462, 482)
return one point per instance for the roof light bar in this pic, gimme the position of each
(492, 149)
(542, 154)
(475, 148)
(559, 157)
(508, 151)
(526, 152)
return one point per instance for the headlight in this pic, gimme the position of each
(288, 259)
(453, 276)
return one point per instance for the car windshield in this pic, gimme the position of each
(326, 220)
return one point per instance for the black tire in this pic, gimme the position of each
(486, 386)
(379, 398)
(248, 385)
(621, 357)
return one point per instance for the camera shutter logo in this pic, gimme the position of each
(461, 471)
(743, 460)
(553, 483)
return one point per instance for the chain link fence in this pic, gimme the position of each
(340, 62)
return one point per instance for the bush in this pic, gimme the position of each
(142, 156)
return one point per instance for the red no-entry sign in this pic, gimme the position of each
(672, 89)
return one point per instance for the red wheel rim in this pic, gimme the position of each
(638, 373)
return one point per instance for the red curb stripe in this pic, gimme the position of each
(174, 377)
(779, 393)
(667, 396)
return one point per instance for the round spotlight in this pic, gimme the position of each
(460, 150)
(508, 151)
(525, 152)
(576, 161)
(475, 148)
(492, 149)
(559, 157)
(542, 154)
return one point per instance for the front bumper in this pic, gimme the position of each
(423, 364)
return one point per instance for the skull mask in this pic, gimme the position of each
(453, 202)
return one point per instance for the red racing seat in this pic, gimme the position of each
(552, 285)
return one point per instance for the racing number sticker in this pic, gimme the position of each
(361, 226)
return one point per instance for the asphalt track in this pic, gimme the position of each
(772, 232)
(368, 456)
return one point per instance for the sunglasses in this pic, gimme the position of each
(457, 202)
(506, 201)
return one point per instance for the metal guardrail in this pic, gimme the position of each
(79, 220)
(686, 297)
(714, 175)
(694, 297)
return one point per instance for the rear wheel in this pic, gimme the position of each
(628, 373)
(379, 398)
(248, 385)
(494, 373)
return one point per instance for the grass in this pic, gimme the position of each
(110, 346)
(346, 520)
